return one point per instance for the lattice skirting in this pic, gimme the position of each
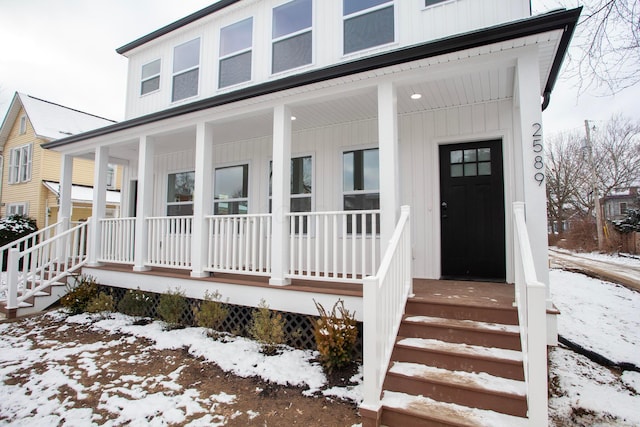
(298, 327)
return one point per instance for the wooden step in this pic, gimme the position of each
(461, 311)
(459, 357)
(475, 390)
(461, 331)
(400, 409)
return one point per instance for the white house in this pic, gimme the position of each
(269, 146)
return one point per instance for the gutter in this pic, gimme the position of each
(565, 20)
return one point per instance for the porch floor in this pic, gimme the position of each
(456, 292)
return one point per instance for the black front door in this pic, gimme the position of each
(472, 211)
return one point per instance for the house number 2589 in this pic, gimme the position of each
(538, 162)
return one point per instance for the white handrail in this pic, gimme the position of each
(30, 239)
(384, 299)
(45, 263)
(530, 300)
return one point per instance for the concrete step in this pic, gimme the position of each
(461, 331)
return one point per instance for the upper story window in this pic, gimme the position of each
(186, 63)
(428, 3)
(236, 41)
(20, 159)
(150, 78)
(367, 23)
(180, 193)
(231, 190)
(361, 184)
(23, 125)
(292, 35)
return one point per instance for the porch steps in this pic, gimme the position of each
(455, 363)
(36, 303)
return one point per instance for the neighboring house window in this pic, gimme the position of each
(20, 159)
(180, 193)
(361, 183)
(235, 53)
(428, 3)
(111, 176)
(18, 209)
(623, 208)
(150, 80)
(23, 125)
(367, 23)
(301, 185)
(231, 195)
(186, 63)
(292, 36)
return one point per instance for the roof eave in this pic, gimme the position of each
(565, 20)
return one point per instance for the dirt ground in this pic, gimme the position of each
(257, 402)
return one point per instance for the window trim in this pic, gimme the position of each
(389, 3)
(237, 199)
(167, 203)
(174, 74)
(158, 76)
(13, 206)
(437, 3)
(310, 29)
(23, 125)
(237, 53)
(16, 166)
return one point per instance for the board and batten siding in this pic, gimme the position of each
(413, 24)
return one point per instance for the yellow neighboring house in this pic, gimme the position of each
(31, 175)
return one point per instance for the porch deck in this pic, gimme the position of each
(466, 293)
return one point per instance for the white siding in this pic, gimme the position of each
(414, 24)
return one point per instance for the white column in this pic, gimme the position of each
(202, 200)
(64, 201)
(280, 194)
(529, 107)
(145, 201)
(98, 207)
(389, 170)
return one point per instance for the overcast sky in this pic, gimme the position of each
(63, 51)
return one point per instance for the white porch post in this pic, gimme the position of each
(280, 194)
(144, 202)
(202, 199)
(99, 204)
(64, 200)
(529, 105)
(388, 154)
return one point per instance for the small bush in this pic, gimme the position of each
(267, 328)
(80, 294)
(135, 303)
(335, 333)
(171, 307)
(13, 228)
(102, 304)
(211, 313)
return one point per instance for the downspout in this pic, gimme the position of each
(546, 100)
(1, 177)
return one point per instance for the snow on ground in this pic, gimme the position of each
(598, 315)
(604, 318)
(630, 261)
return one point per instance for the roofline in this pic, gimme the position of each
(565, 20)
(67, 108)
(175, 25)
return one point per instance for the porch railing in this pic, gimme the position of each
(27, 241)
(117, 243)
(384, 299)
(530, 300)
(339, 246)
(240, 244)
(169, 241)
(37, 267)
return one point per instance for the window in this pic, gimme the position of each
(473, 162)
(231, 195)
(18, 209)
(186, 62)
(428, 3)
(361, 183)
(23, 125)
(367, 23)
(235, 53)
(111, 176)
(301, 186)
(623, 208)
(150, 80)
(180, 193)
(291, 34)
(20, 164)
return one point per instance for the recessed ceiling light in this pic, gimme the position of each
(416, 96)
(293, 117)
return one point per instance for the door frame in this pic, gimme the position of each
(509, 165)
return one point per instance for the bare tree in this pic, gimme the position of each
(606, 48)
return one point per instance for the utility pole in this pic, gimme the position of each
(594, 184)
